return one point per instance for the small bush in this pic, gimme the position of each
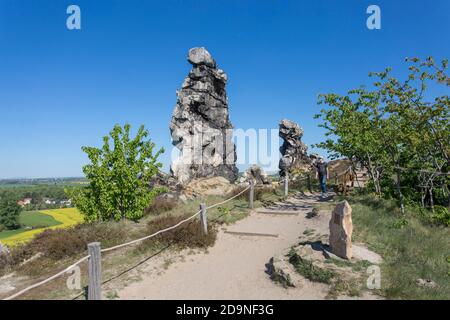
(400, 223)
(441, 216)
(259, 192)
(5, 261)
(187, 235)
(62, 243)
(57, 244)
(307, 269)
(160, 204)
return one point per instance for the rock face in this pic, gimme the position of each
(293, 150)
(341, 229)
(215, 186)
(200, 125)
(257, 174)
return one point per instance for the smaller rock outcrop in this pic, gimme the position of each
(293, 150)
(215, 186)
(341, 229)
(256, 174)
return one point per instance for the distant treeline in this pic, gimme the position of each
(42, 181)
(39, 195)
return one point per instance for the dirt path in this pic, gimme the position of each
(235, 267)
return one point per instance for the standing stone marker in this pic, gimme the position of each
(341, 229)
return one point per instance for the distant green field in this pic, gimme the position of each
(9, 233)
(37, 219)
(29, 220)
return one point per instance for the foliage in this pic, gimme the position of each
(310, 271)
(9, 213)
(160, 205)
(119, 177)
(38, 194)
(399, 136)
(187, 235)
(441, 215)
(55, 244)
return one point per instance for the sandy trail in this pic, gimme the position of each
(234, 268)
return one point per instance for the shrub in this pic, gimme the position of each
(161, 204)
(187, 235)
(9, 213)
(307, 269)
(441, 215)
(259, 192)
(119, 176)
(53, 245)
(62, 243)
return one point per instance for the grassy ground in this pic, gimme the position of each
(37, 219)
(411, 248)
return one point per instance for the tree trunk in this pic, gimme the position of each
(372, 175)
(430, 192)
(399, 191)
(422, 198)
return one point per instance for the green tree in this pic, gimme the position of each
(395, 130)
(119, 177)
(9, 213)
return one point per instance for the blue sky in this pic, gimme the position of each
(61, 89)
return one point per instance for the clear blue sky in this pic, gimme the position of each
(62, 89)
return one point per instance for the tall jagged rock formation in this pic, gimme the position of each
(293, 150)
(200, 127)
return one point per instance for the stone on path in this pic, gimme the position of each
(341, 229)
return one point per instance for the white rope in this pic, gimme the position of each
(120, 246)
(46, 280)
(152, 235)
(220, 203)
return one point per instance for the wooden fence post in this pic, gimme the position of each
(203, 218)
(95, 271)
(252, 193)
(286, 184)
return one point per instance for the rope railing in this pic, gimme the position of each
(233, 197)
(47, 280)
(122, 245)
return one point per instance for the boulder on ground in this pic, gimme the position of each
(215, 186)
(258, 175)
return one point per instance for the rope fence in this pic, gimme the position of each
(93, 264)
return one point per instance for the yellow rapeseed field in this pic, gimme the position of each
(68, 218)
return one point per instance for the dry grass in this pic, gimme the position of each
(161, 204)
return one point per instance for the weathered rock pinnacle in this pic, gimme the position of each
(200, 127)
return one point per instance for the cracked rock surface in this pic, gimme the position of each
(200, 127)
